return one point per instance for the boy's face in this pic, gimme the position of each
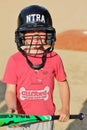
(37, 38)
(35, 42)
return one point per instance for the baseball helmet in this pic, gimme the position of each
(33, 18)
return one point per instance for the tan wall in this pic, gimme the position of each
(66, 15)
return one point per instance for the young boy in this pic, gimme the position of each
(30, 72)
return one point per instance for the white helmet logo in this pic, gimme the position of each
(32, 18)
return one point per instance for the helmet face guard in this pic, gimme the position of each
(35, 18)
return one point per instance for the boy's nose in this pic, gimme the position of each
(36, 37)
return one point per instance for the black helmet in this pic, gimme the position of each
(33, 18)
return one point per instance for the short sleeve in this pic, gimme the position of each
(10, 72)
(59, 70)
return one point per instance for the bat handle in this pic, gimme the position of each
(79, 116)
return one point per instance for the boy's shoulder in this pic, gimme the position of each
(53, 54)
(16, 56)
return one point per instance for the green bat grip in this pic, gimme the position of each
(14, 119)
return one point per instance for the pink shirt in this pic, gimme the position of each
(34, 87)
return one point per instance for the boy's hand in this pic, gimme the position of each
(14, 111)
(64, 115)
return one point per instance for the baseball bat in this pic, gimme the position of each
(19, 119)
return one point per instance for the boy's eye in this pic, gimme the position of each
(29, 37)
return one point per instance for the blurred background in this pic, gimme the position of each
(70, 21)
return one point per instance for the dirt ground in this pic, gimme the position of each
(72, 40)
(72, 47)
(74, 54)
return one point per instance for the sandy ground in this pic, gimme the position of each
(66, 15)
(75, 65)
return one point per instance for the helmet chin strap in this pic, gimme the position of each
(38, 66)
